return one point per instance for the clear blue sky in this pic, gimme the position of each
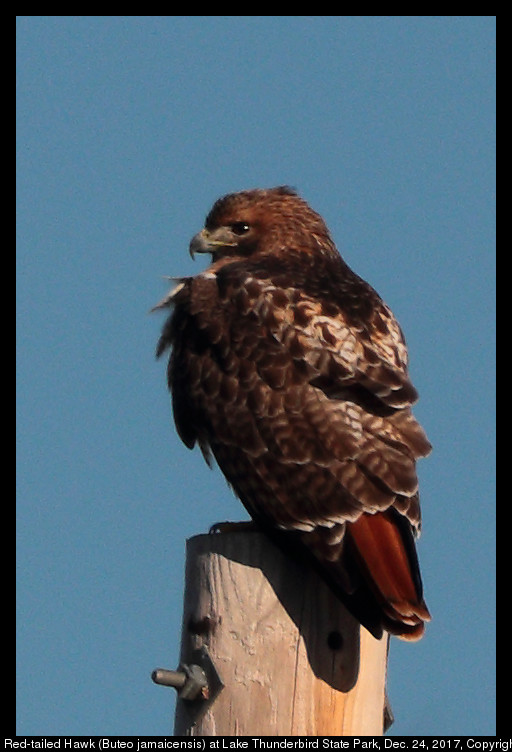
(128, 128)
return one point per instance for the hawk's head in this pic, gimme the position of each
(261, 221)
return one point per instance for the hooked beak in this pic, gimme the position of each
(208, 241)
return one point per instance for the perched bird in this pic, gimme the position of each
(292, 372)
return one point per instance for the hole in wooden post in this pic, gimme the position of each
(203, 626)
(335, 640)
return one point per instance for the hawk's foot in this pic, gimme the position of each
(232, 527)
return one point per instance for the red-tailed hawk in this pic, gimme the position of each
(292, 372)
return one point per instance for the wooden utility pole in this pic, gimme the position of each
(291, 660)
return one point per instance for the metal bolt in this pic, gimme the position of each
(197, 682)
(190, 681)
(168, 678)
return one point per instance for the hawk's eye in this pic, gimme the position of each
(240, 228)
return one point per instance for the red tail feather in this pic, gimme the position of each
(386, 560)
